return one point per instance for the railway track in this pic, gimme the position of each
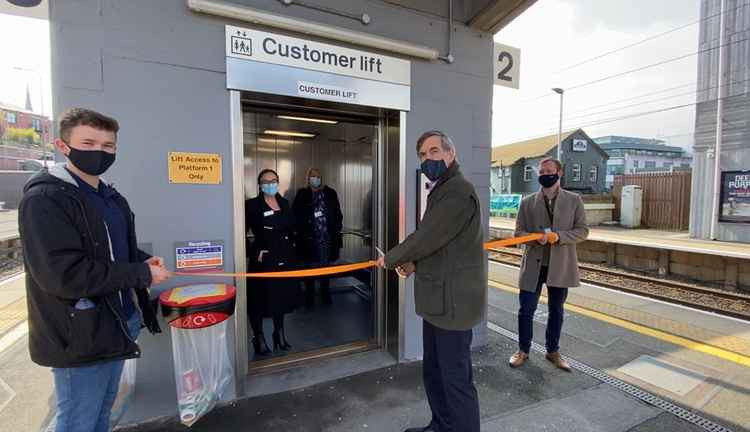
(11, 261)
(713, 300)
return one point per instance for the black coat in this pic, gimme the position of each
(67, 257)
(274, 232)
(304, 212)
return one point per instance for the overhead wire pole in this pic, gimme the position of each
(559, 129)
(719, 125)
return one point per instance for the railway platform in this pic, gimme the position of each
(8, 225)
(724, 265)
(640, 365)
(678, 241)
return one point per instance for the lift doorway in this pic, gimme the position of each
(356, 150)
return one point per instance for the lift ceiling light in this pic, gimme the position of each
(307, 119)
(289, 133)
(255, 16)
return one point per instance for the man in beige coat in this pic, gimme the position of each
(553, 260)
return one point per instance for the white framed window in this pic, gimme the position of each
(635, 163)
(593, 174)
(576, 175)
(36, 124)
(10, 117)
(650, 164)
(528, 173)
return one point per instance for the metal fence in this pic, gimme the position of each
(666, 199)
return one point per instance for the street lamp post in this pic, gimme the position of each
(559, 130)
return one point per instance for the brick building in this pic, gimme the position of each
(12, 116)
(11, 155)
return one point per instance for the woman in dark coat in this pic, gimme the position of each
(272, 222)
(319, 225)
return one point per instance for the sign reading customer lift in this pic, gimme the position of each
(507, 65)
(275, 64)
(321, 91)
(194, 168)
(300, 53)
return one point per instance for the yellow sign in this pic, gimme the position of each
(194, 168)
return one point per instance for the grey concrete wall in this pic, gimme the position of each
(160, 70)
(735, 154)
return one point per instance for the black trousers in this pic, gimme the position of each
(449, 379)
(325, 290)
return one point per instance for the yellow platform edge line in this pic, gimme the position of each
(657, 334)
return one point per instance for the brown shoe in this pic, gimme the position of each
(518, 359)
(556, 359)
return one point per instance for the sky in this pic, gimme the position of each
(552, 35)
(25, 46)
(556, 34)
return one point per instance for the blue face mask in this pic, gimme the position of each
(315, 182)
(270, 189)
(433, 169)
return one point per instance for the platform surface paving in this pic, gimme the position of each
(536, 397)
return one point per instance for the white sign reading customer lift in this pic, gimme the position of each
(300, 53)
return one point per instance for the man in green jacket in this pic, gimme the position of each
(447, 255)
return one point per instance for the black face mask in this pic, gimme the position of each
(548, 180)
(92, 162)
(433, 169)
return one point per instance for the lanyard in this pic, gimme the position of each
(550, 211)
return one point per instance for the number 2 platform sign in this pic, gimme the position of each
(507, 65)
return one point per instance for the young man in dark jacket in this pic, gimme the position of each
(86, 280)
(446, 253)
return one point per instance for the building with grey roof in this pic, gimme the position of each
(631, 155)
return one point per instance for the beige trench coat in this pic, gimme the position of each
(569, 223)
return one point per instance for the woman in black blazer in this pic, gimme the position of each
(271, 220)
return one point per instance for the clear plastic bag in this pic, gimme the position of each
(125, 392)
(203, 371)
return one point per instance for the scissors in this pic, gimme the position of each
(399, 272)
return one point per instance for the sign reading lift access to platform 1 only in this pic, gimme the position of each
(507, 65)
(194, 168)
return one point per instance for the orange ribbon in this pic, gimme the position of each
(513, 241)
(346, 268)
(321, 271)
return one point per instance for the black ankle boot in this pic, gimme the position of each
(279, 341)
(284, 343)
(260, 346)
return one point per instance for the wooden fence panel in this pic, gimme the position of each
(666, 198)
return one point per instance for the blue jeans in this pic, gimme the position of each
(555, 304)
(85, 394)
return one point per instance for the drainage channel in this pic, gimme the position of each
(642, 395)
